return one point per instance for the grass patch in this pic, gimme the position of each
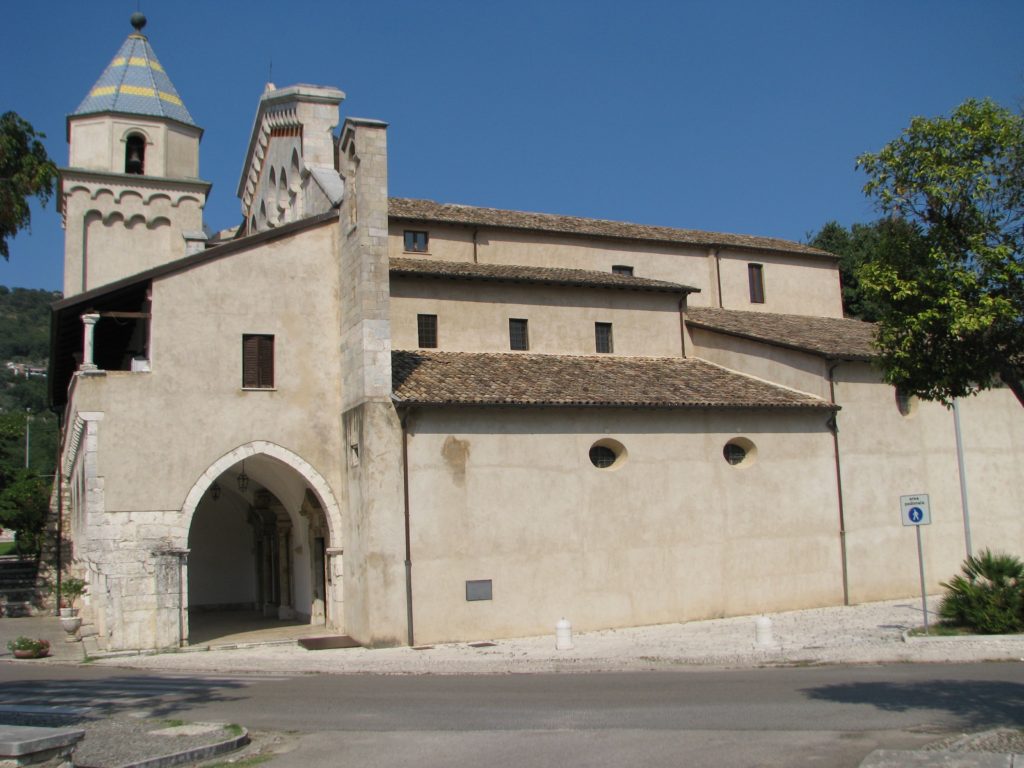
(234, 729)
(242, 762)
(943, 630)
(8, 548)
(173, 723)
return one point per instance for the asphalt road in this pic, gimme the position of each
(818, 716)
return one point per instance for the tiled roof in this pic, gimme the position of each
(466, 378)
(134, 83)
(506, 273)
(829, 337)
(428, 210)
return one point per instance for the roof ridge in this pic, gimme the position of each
(591, 226)
(428, 267)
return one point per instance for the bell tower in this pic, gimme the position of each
(131, 196)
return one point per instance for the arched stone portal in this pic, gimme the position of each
(263, 546)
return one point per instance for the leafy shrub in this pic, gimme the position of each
(989, 595)
(71, 588)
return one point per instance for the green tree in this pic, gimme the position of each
(25, 171)
(858, 245)
(952, 312)
(25, 492)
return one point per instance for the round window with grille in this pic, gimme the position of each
(739, 452)
(607, 454)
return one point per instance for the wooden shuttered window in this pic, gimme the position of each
(257, 361)
(755, 276)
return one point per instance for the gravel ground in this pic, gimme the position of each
(861, 634)
(999, 740)
(113, 742)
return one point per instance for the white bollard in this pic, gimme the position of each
(563, 635)
(763, 632)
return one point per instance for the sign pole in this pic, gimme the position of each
(916, 510)
(924, 593)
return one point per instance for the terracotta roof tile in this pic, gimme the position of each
(508, 273)
(428, 210)
(829, 337)
(466, 378)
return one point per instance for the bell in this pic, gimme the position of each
(134, 162)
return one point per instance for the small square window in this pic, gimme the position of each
(603, 337)
(518, 336)
(257, 361)
(755, 275)
(622, 269)
(415, 241)
(426, 327)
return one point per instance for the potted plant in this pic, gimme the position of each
(28, 648)
(71, 588)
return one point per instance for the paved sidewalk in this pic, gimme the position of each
(40, 627)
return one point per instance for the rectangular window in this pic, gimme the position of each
(517, 335)
(755, 275)
(257, 361)
(603, 337)
(415, 242)
(622, 269)
(426, 327)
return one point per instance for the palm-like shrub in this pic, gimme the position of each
(989, 595)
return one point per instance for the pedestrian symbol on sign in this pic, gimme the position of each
(915, 510)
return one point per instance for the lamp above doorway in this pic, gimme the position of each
(243, 479)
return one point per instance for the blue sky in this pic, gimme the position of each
(728, 116)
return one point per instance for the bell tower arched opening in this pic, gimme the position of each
(135, 154)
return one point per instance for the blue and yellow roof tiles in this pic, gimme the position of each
(134, 83)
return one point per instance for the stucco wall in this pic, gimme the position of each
(806, 285)
(886, 455)
(674, 533)
(283, 288)
(98, 143)
(222, 566)
(779, 365)
(473, 317)
(801, 285)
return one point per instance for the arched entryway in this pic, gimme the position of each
(263, 562)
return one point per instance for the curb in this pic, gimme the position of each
(892, 758)
(191, 755)
(187, 649)
(953, 639)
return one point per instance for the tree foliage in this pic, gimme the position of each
(952, 311)
(859, 245)
(25, 491)
(26, 171)
(24, 419)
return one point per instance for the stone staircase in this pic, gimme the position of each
(19, 594)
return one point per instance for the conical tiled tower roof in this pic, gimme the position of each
(134, 83)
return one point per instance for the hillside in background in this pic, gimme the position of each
(28, 430)
(24, 338)
(25, 324)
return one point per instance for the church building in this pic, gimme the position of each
(413, 422)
